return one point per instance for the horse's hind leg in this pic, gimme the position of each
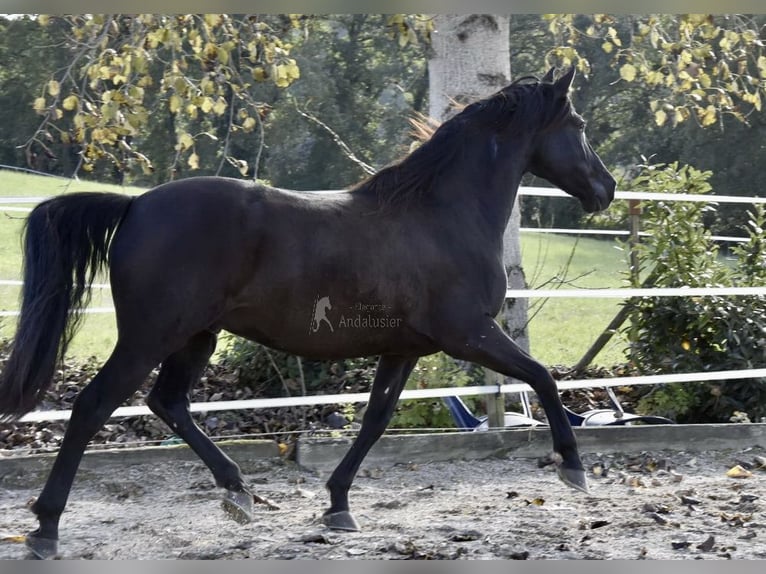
(169, 399)
(486, 344)
(390, 378)
(119, 378)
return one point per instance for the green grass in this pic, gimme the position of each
(98, 332)
(561, 330)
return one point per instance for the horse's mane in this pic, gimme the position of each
(519, 108)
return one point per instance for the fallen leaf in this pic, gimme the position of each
(707, 545)
(13, 538)
(738, 471)
(676, 477)
(661, 520)
(536, 501)
(598, 524)
(680, 544)
(315, 538)
(261, 500)
(737, 519)
(466, 536)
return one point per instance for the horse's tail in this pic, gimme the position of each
(66, 242)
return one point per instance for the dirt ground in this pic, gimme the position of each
(657, 505)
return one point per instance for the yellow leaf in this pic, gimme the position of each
(220, 106)
(39, 105)
(43, 19)
(738, 472)
(686, 345)
(70, 103)
(654, 77)
(628, 72)
(709, 117)
(293, 72)
(185, 141)
(54, 88)
(207, 104)
(213, 20)
(193, 161)
(660, 117)
(249, 124)
(607, 47)
(175, 103)
(223, 56)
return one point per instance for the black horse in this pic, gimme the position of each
(405, 264)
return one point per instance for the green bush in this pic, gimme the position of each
(693, 334)
(432, 372)
(270, 373)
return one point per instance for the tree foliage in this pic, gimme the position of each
(703, 66)
(195, 66)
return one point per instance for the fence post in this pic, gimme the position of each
(634, 211)
(495, 402)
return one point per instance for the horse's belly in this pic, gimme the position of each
(356, 333)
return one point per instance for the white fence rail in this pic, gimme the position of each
(622, 293)
(345, 398)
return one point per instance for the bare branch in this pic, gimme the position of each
(367, 168)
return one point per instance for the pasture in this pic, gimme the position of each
(558, 333)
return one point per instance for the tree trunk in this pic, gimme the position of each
(471, 59)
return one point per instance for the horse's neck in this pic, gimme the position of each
(497, 196)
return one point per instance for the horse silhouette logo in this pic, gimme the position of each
(321, 306)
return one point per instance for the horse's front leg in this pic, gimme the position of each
(486, 344)
(390, 379)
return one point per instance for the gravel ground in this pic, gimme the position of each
(660, 505)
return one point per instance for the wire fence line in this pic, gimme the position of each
(12, 203)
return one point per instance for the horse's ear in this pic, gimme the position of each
(563, 84)
(548, 77)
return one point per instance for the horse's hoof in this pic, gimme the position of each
(342, 520)
(574, 477)
(41, 548)
(238, 505)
